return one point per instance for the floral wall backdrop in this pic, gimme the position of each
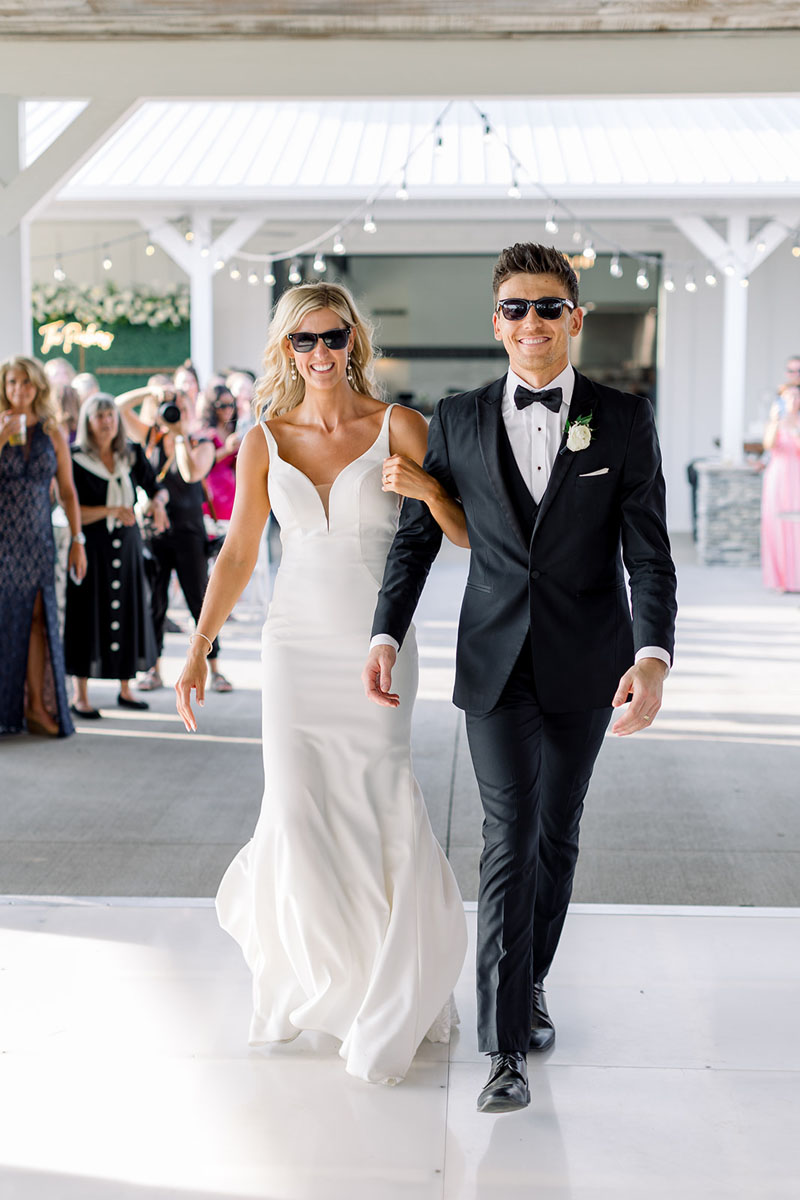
(121, 335)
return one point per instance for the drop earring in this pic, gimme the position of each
(349, 371)
(293, 371)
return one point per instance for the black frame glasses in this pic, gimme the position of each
(334, 339)
(549, 308)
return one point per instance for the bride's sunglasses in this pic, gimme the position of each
(334, 339)
(549, 308)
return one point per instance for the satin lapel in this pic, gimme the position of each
(581, 405)
(488, 407)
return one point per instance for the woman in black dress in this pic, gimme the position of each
(109, 629)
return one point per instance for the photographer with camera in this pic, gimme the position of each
(181, 462)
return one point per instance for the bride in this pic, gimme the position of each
(343, 903)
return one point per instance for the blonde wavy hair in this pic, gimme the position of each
(45, 408)
(275, 391)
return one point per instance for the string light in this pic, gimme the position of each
(205, 251)
(514, 190)
(438, 145)
(589, 252)
(615, 267)
(551, 224)
(796, 246)
(730, 270)
(691, 283)
(642, 280)
(711, 278)
(149, 249)
(219, 264)
(369, 224)
(669, 282)
(269, 279)
(252, 278)
(402, 191)
(295, 271)
(107, 263)
(761, 247)
(189, 235)
(338, 245)
(319, 263)
(235, 273)
(744, 282)
(577, 235)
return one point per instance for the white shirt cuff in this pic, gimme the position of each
(653, 652)
(383, 639)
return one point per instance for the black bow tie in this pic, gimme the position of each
(550, 397)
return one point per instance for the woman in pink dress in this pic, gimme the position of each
(780, 504)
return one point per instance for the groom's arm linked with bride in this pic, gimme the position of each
(560, 498)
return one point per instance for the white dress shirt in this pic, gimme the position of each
(535, 435)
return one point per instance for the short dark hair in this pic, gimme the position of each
(532, 259)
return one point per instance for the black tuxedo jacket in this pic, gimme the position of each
(555, 571)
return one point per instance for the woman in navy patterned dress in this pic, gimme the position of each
(30, 648)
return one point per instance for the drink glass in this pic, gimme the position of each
(20, 437)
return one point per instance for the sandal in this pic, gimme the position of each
(220, 684)
(150, 682)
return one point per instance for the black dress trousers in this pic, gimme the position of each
(533, 770)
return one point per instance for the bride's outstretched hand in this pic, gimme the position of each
(193, 675)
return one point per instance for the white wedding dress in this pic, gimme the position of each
(343, 902)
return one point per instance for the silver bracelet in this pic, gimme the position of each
(197, 633)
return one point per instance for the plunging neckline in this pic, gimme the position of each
(326, 512)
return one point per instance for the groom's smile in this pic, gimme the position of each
(538, 349)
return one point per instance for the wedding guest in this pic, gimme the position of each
(780, 497)
(68, 406)
(59, 372)
(186, 382)
(109, 629)
(33, 451)
(217, 413)
(181, 462)
(241, 385)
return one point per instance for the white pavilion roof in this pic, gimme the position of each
(200, 150)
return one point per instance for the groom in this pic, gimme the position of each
(560, 480)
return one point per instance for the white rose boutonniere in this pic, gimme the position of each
(579, 433)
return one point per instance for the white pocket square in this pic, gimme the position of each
(589, 474)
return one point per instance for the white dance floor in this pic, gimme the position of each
(125, 1073)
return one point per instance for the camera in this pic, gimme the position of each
(169, 412)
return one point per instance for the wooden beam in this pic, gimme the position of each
(32, 188)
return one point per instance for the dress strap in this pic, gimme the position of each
(382, 444)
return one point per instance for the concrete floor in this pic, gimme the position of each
(700, 810)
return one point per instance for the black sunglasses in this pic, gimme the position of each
(549, 308)
(334, 339)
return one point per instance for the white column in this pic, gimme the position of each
(15, 324)
(201, 301)
(734, 349)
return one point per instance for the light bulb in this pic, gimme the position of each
(269, 278)
(761, 247)
(615, 267)
(235, 273)
(219, 264)
(795, 250)
(58, 272)
(744, 282)
(107, 263)
(402, 192)
(690, 284)
(577, 236)
(319, 263)
(369, 224)
(641, 279)
(589, 252)
(551, 224)
(731, 270)
(295, 271)
(205, 251)
(669, 282)
(514, 190)
(149, 249)
(711, 278)
(189, 235)
(338, 245)
(252, 278)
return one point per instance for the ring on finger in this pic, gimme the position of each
(645, 717)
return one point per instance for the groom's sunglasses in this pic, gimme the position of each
(549, 308)
(334, 339)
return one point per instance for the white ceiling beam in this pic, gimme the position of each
(29, 191)
(235, 236)
(741, 251)
(663, 63)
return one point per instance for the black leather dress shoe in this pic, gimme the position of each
(543, 1034)
(507, 1086)
(129, 702)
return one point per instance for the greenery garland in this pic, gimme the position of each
(105, 304)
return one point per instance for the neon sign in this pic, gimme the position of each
(67, 334)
